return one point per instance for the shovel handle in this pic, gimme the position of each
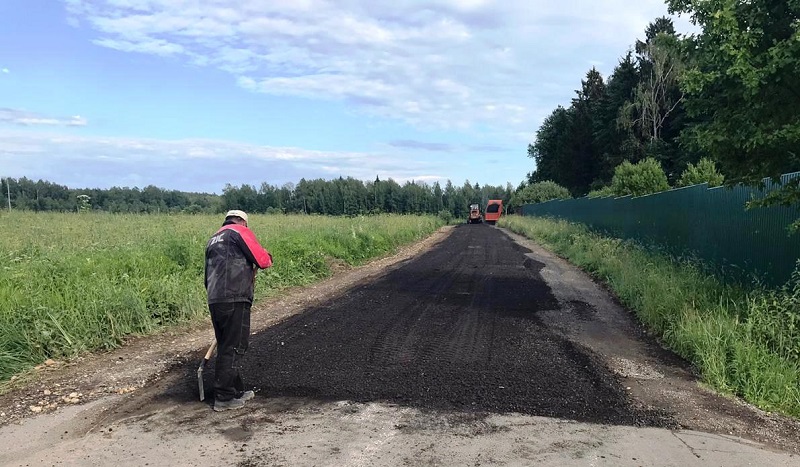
(210, 351)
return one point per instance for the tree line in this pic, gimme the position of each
(26, 194)
(341, 196)
(729, 96)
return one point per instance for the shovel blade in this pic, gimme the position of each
(200, 382)
(209, 354)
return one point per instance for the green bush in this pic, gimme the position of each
(446, 216)
(604, 192)
(704, 172)
(539, 192)
(642, 178)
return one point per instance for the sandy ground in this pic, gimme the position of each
(413, 378)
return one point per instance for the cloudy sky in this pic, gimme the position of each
(194, 94)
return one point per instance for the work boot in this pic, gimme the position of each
(245, 395)
(232, 404)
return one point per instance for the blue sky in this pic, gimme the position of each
(193, 95)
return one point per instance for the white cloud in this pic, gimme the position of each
(25, 118)
(446, 63)
(156, 47)
(77, 120)
(6, 71)
(193, 164)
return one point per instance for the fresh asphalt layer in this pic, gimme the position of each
(457, 328)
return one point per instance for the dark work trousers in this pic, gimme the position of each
(232, 328)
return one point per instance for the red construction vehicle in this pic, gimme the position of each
(474, 214)
(493, 211)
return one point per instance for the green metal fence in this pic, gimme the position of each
(708, 223)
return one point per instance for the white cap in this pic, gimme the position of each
(236, 213)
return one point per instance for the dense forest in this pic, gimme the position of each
(730, 94)
(342, 196)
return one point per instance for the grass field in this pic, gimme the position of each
(743, 341)
(76, 282)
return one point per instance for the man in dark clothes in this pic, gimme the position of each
(233, 255)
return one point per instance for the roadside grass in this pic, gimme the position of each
(743, 341)
(71, 283)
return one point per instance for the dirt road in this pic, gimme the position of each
(481, 350)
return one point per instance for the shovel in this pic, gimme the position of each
(202, 366)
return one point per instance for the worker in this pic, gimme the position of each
(233, 256)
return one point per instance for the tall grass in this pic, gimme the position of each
(76, 282)
(743, 341)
